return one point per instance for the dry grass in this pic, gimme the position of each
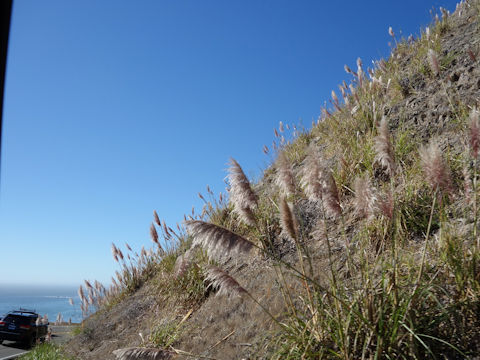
(143, 354)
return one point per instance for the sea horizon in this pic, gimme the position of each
(47, 300)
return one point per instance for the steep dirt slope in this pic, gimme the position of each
(425, 90)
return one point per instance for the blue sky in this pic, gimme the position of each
(116, 108)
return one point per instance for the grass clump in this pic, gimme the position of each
(46, 351)
(164, 335)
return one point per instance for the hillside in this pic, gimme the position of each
(360, 241)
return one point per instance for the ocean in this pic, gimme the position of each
(45, 300)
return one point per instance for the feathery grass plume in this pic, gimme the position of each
(134, 353)
(241, 194)
(120, 254)
(365, 199)
(348, 70)
(354, 93)
(154, 234)
(225, 284)
(331, 200)
(436, 170)
(371, 74)
(280, 127)
(445, 13)
(182, 264)
(336, 103)
(218, 241)
(474, 138)
(156, 218)
(390, 32)
(285, 179)
(274, 145)
(433, 62)
(359, 63)
(319, 184)
(344, 94)
(288, 220)
(385, 204)
(311, 176)
(383, 147)
(360, 72)
(326, 114)
(70, 301)
(114, 252)
(81, 293)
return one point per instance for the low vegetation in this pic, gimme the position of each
(46, 351)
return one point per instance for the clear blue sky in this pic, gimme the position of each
(116, 108)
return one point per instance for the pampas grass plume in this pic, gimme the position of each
(222, 281)
(156, 218)
(433, 61)
(114, 252)
(154, 234)
(386, 205)
(390, 32)
(288, 220)
(474, 138)
(330, 196)
(434, 167)
(134, 353)
(182, 264)
(319, 184)
(241, 194)
(365, 199)
(383, 147)
(285, 179)
(311, 175)
(218, 241)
